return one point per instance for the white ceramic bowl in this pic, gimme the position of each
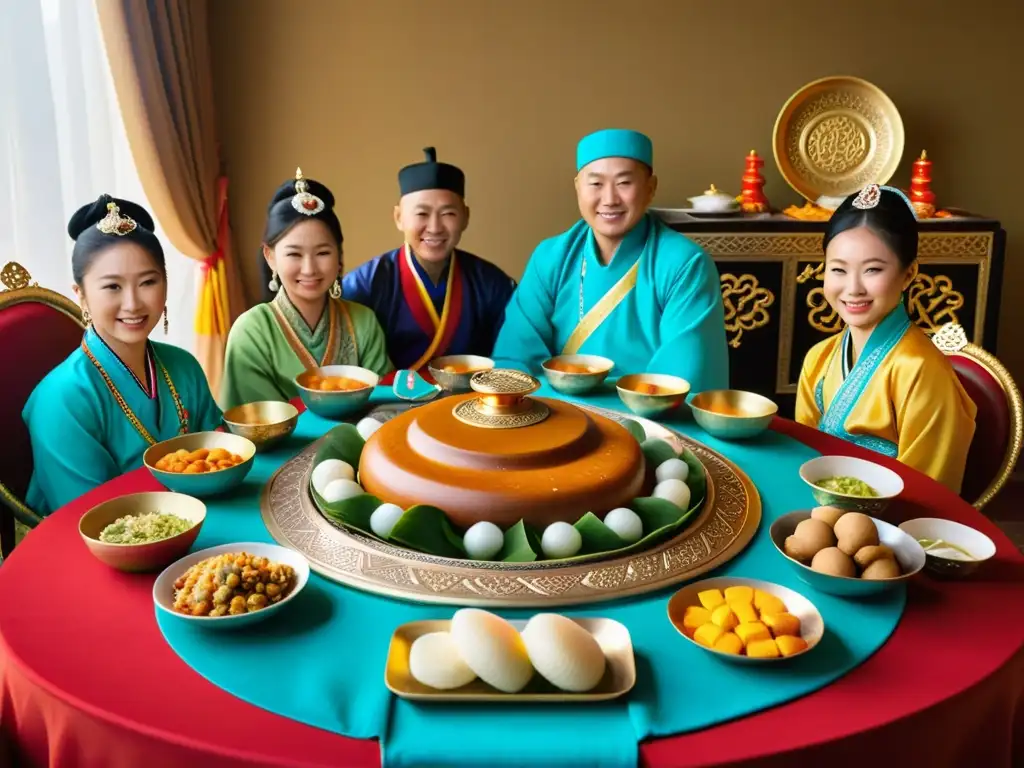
(980, 546)
(886, 483)
(163, 587)
(812, 625)
(908, 554)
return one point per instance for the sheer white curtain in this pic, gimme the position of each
(63, 143)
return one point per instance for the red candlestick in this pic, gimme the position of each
(921, 181)
(752, 197)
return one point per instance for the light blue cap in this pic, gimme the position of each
(614, 142)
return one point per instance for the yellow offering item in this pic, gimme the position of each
(763, 649)
(729, 642)
(790, 645)
(711, 598)
(744, 611)
(782, 624)
(708, 634)
(766, 603)
(739, 594)
(724, 617)
(695, 616)
(744, 621)
(748, 632)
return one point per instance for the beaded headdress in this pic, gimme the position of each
(114, 223)
(870, 196)
(304, 202)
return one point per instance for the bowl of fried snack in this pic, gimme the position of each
(141, 532)
(231, 585)
(201, 464)
(336, 391)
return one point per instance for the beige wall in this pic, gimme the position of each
(352, 90)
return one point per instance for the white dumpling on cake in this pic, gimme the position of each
(492, 648)
(339, 490)
(328, 471)
(564, 653)
(435, 661)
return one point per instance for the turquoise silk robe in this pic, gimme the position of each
(80, 436)
(671, 322)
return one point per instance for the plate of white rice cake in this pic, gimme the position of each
(480, 656)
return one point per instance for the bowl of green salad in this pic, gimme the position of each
(851, 484)
(142, 532)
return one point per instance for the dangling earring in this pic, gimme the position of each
(165, 319)
(86, 318)
(274, 285)
(336, 289)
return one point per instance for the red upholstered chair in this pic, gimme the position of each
(38, 329)
(1000, 420)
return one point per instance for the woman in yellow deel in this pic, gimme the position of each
(881, 383)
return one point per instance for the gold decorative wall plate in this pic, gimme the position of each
(727, 523)
(835, 136)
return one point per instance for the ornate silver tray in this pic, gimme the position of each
(726, 524)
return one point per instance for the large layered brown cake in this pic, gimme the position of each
(501, 456)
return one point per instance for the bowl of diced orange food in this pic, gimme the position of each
(746, 620)
(336, 391)
(201, 464)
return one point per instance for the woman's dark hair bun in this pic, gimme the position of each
(883, 210)
(91, 214)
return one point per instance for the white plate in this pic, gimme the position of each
(163, 587)
(670, 215)
(812, 625)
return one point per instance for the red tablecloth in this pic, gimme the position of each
(87, 681)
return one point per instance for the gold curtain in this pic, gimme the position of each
(159, 53)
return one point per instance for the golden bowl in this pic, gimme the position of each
(453, 372)
(671, 392)
(336, 404)
(732, 414)
(577, 382)
(136, 558)
(206, 483)
(265, 423)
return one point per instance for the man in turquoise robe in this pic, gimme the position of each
(619, 283)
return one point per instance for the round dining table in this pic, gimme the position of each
(88, 681)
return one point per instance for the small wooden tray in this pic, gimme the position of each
(613, 637)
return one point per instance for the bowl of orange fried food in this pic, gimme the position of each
(576, 374)
(336, 391)
(652, 394)
(201, 464)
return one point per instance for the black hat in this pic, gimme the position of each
(431, 175)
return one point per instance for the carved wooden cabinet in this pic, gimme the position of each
(771, 274)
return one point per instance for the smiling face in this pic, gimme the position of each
(307, 260)
(432, 221)
(124, 289)
(613, 193)
(864, 280)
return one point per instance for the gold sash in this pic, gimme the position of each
(337, 312)
(600, 311)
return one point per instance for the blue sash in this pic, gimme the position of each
(880, 343)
